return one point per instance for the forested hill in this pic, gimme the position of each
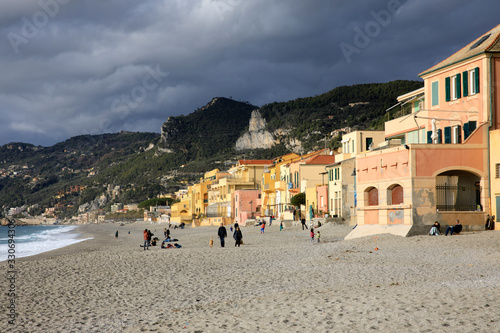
(361, 106)
(208, 131)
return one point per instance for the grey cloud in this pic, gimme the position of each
(83, 71)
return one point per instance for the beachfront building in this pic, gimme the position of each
(312, 174)
(342, 189)
(442, 171)
(181, 211)
(342, 176)
(246, 175)
(495, 172)
(274, 186)
(199, 193)
(247, 205)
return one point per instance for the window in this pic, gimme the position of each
(497, 170)
(435, 93)
(474, 81)
(452, 87)
(416, 106)
(456, 134)
(369, 141)
(353, 146)
(373, 197)
(395, 195)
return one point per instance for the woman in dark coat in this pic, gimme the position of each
(237, 235)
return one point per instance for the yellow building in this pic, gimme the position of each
(275, 186)
(246, 175)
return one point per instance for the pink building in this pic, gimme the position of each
(322, 200)
(441, 171)
(247, 205)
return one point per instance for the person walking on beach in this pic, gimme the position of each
(312, 235)
(222, 233)
(116, 234)
(318, 236)
(146, 236)
(238, 236)
(303, 221)
(281, 226)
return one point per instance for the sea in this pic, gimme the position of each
(31, 240)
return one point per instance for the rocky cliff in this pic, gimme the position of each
(257, 136)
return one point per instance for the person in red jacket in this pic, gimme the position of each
(312, 235)
(146, 239)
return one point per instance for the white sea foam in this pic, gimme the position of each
(33, 240)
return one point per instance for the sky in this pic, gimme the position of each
(72, 67)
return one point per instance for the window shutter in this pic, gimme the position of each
(457, 80)
(476, 77)
(447, 134)
(429, 139)
(466, 131)
(465, 79)
(440, 136)
(447, 89)
(472, 126)
(459, 131)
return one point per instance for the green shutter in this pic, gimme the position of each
(435, 93)
(466, 131)
(458, 85)
(447, 134)
(472, 126)
(429, 134)
(465, 79)
(440, 136)
(447, 89)
(476, 77)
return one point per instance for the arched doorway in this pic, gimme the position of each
(458, 190)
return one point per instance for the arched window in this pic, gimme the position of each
(373, 197)
(395, 195)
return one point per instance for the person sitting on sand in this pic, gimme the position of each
(436, 229)
(455, 229)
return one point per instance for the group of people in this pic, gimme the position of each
(457, 228)
(237, 235)
(147, 238)
(318, 235)
(436, 229)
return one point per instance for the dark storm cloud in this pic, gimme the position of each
(73, 67)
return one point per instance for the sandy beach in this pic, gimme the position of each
(275, 282)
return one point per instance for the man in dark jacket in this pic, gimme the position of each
(222, 233)
(456, 229)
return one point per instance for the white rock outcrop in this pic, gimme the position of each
(257, 136)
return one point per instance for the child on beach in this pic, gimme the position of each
(312, 236)
(262, 227)
(318, 236)
(281, 226)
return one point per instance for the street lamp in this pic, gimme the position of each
(355, 194)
